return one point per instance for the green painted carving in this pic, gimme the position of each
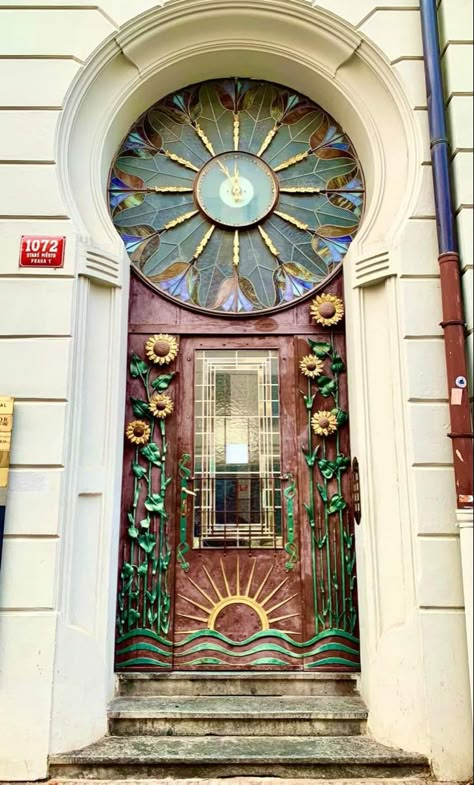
(290, 547)
(144, 598)
(332, 544)
(183, 547)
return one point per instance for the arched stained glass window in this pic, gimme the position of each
(236, 196)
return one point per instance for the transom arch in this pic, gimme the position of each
(187, 41)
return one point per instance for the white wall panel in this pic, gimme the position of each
(30, 83)
(38, 434)
(32, 306)
(31, 32)
(36, 190)
(34, 368)
(421, 308)
(27, 658)
(412, 76)
(397, 33)
(426, 370)
(440, 577)
(435, 500)
(463, 170)
(33, 502)
(27, 135)
(457, 68)
(430, 443)
(461, 122)
(418, 245)
(28, 573)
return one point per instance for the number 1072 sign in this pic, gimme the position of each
(38, 251)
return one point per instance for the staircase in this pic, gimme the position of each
(193, 725)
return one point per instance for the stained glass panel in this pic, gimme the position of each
(240, 139)
(237, 449)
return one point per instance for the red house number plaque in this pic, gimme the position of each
(37, 251)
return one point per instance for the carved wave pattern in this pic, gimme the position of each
(266, 650)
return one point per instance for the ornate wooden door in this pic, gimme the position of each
(238, 594)
(237, 546)
(237, 200)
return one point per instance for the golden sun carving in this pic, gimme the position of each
(218, 595)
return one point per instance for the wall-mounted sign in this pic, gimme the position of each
(37, 251)
(6, 425)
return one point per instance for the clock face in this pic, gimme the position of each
(236, 196)
(236, 190)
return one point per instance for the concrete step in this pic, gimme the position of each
(232, 715)
(255, 683)
(138, 757)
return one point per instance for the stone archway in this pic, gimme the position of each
(326, 59)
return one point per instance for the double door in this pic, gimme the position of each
(244, 556)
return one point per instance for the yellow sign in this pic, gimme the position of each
(6, 425)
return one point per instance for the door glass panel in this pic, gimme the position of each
(237, 464)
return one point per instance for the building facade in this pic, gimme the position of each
(75, 77)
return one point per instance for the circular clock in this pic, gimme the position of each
(236, 190)
(236, 196)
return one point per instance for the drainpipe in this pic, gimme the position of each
(453, 316)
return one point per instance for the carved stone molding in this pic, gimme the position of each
(373, 266)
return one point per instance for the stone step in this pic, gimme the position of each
(138, 757)
(232, 715)
(253, 781)
(255, 683)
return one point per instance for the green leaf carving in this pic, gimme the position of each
(323, 492)
(321, 349)
(145, 523)
(326, 386)
(138, 471)
(327, 468)
(310, 458)
(133, 532)
(143, 569)
(154, 503)
(152, 453)
(140, 408)
(137, 366)
(147, 542)
(336, 504)
(341, 416)
(161, 383)
(309, 401)
(133, 616)
(337, 365)
(342, 462)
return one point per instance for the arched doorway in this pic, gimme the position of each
(237, 545)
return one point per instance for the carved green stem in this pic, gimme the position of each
(327, 543)
(290, 547)
(311, 514)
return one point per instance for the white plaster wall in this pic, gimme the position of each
(58, 576)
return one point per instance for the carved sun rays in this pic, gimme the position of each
(218, 594)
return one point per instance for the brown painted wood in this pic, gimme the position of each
(288, 332)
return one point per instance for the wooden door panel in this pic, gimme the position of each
(289, 606)
(239, 607)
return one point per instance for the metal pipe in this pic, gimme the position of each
(453, 313)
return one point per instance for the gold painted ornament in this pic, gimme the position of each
(327, 309)
(324, 423)
(138, 432)
(311, 366)
(161, 406)
(161, 349)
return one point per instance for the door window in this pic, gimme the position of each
(237, 463)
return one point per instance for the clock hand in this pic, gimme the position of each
(236, 188)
